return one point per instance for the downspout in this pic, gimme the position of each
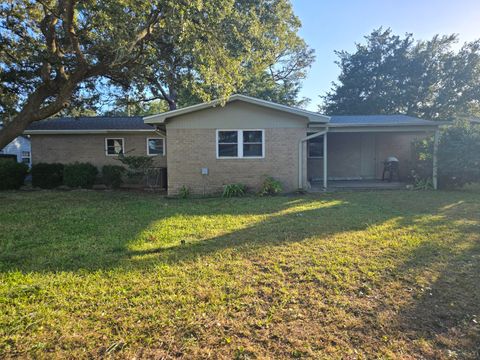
(300, 156)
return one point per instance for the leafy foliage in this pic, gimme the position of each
(390, 74)
(12, 174)
(137, 166)
(58, 55)
(270, 186)
(47, 176)
(112, 175)
(234, 190)
(81, 175)
(184, 192)
(459, 156)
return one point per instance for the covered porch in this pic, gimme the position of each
(354, 158)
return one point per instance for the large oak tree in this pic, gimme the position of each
(57, 52)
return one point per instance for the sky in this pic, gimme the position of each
(329, 25)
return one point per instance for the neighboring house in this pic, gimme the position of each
(21, 148)
(210, 145)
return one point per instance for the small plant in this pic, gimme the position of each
(12, 174)
(234, 190)
(112, 175)
(81, 175)
(137, 166)
(421, 183)
(184, 192)
(270, 187)
(47, 176)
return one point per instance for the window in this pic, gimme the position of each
(155, 146)
(228, 144)
(315, 146)
(26, 157)
(240, 143)
(114, 147)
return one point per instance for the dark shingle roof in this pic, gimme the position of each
(92, 123)
(378, 120)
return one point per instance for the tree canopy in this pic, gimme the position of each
(61, 54)
(393, 74)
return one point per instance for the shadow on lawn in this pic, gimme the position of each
(80, 239)
(442, 319)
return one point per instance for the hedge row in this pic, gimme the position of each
(76, 175)
(12, 174)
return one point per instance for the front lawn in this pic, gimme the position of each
(348, 275)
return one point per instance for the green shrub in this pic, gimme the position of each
(137, 166)
(79, 175)
(458, 157)
(12, 174)
(47, 176)
(234, 190)
(112, 175)
(184, 192)
(270, 186)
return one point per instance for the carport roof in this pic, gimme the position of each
(379, 120)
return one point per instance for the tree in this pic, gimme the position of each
(392, 74)
(55, 53)
(175, 74)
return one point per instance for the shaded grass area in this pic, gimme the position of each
(345, 275)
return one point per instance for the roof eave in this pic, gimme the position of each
(85, 131)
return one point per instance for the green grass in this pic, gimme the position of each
(347, 275)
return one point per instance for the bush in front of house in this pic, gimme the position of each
(47, 176)
(270, 186)
(80, 175)
(112, 175)
(12, 174)
(234, 190)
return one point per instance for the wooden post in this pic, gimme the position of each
(435, 158)
(325, 160)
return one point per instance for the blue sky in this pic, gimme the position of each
(330, 25)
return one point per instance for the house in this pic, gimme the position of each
(97, 140)
(20, 147)
(209, 145)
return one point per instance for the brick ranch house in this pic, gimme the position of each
(207, 146)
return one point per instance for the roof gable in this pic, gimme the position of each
(308, 115)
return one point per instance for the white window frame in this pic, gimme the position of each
(114, 138)
(308, 146)
(240, 144)
(163, 146)
(28, 156)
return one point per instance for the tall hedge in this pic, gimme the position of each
(12, 174)
(47, 176)
(81, 175)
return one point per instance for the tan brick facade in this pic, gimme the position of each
(65, 149)
(190, 150)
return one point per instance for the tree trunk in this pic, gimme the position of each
(33, 110)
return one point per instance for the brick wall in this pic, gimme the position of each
(190, 150)
(87, 148)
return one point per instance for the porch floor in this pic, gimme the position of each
(359, 185)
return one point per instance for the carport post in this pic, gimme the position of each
(435, 158)
(325, 159)
(301, 156)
